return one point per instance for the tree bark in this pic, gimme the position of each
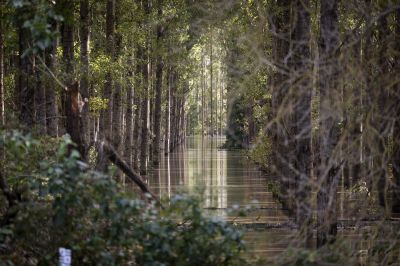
(137, 97)
(144, 115)
(84, 57)
(106, 115)
(158, 91)
(129, 117)
(25, 90)
(302, 112)
(167, 112)
(2, 29)
(51, 101)
(329, 119)
(117, 93)
(396, 132)
(40, 102)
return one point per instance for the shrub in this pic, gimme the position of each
(64, 203)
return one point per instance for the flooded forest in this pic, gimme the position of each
(199, 132)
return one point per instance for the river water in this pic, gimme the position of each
(224, 179)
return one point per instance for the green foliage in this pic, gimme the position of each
(96, 104)
(235, 134)
(36, 16)
(66, 204)
(262, 152)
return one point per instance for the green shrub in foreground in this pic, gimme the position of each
(63, 203)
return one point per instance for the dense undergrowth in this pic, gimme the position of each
(61, 202)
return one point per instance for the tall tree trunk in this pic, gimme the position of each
(329, 119)
(158, 91)
(202, 94)
(51, 100)
(73, 101)
(380, 119)
(172, 128)
(211, 84)
(25, 90)
(167, 112)
(396, 132)
(302, 111)
(144, 114)
(117, 94)
(129, 117)
(2, 29)
(84, 57)
(106, 115)
(137, 97)
(40, 102)
(282, 103)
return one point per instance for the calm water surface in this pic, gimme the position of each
(224, 178)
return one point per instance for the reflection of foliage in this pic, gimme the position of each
(65, 204)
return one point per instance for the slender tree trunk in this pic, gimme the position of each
(144, 115)
(211, 85)
(328, 173)
(172, 128)
(26, 82)
(84, 57)
(106, 115)
(302, 111)
(158, 91)
(396, 132)
(380, 120)
(129, 117)
(73, 101)
(2, 29)
(136, 126)
(40, 102)
(202, 95)
(283, 140)
(167, 113)
(51, 100)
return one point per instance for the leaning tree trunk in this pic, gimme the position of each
(329, 120)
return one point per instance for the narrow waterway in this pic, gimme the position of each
(224, 179)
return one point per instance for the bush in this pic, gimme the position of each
(63, 203)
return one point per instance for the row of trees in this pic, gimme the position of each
(112, 70)
(318, 82)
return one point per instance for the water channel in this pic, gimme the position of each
(225, 178)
